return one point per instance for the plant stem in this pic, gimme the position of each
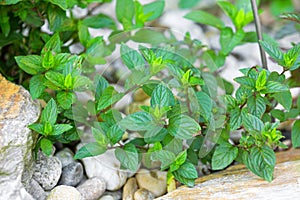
(259, 33)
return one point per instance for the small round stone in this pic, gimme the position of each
(63, 192)
(72, 174)
(92, 188)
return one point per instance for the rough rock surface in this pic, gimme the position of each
(143, 194)
(237, 182)
(47, 171)
(63, 192)
(17, 111)
(92, 188)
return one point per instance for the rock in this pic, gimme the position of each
(237, 182)
(63, 192)
(65, 156)
(143, 194)
(140, 96)
(108, 167)
(36, 191)
(71, 174)
(129, 189)
(155, 181)
(47, 170)
(107, 197)
(17, 111)
(92, 188)
(117, 195)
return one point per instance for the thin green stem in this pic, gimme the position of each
(259, 33)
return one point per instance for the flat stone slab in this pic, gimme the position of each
(237, 182)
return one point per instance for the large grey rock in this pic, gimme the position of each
(72, 174)
(17, 111)
(63, 192)
(47, 170)
(237, 182)
(92, 189)
(107, 167)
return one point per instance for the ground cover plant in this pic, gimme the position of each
(192, 109)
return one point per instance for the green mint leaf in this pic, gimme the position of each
(181, 158)
(284, 98)
(53, 45)
(292, 58)
(139, 121)
(31, 64)
(99, 136)
(261, 80)
(274, 87)
(296, 134)
(49, 114)
(205, 18)
(125, 12)
(188, 170)
(154, 10)
(108, 98)
(229, 9)
(165, 157)
(128, 157)
(90, 149)
(236, 119)
(223, 156)
(65, 99)
(183, 127)
(96, 51)
(155, 134)
(278, 114)
(81, 83)
(261, 161)
(162, 96)
(230, 40)
(83, 34)
(187, 4)
(48, 60)
(61, 128)
(99, 21)
(273, 51)
(256, 105)
(56, 78)
(245, 82)
(186, 174)
(131, 57)
(100, 85)
(205, 105)
(115, 133)
(36, 86)
(37, 128)
(46, 146)
(252, 122)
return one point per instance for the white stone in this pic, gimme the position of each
(92, 188)
(108, 167)
(63, 192)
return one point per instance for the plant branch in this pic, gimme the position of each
(259, 33)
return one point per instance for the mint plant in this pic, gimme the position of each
(192, 110)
